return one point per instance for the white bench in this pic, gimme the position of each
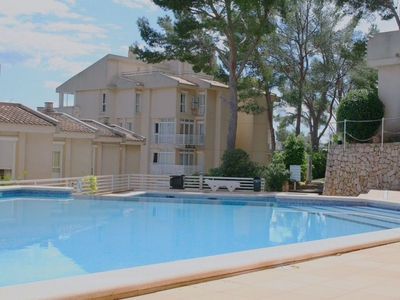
(216, 184)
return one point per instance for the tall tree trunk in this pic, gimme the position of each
(270, 116)
(233, 113)
(298, 119)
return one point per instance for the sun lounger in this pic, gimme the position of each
(216, 184)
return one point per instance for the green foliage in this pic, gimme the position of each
(276, 175)
(294, 150)
(236, 163)
(386, 9)
(202, 29)
(282, 133)
(7, 177)
(360, 105)
(91, 182)
(315, 49)
(319, 164)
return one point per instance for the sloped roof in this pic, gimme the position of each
(180, 80)
(130, 136)
(213, 82)
(71, 124)
(15, 113)
(104, 130)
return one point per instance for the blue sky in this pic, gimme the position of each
(45, 42)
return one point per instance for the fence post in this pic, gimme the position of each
(201, 181)
(383, 125)
(344, 135)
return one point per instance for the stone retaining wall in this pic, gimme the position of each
(362, 167)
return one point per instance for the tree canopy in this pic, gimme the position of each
(315, 51)
(386, 9)
(204, 29)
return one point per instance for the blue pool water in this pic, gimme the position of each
(51, 238)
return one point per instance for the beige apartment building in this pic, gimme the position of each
(181, 114)
(49, 144)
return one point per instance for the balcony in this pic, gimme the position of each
(177, 139)
(159, 169)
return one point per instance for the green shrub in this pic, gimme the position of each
(236, 163)
(276, 175)
(360, 105)
(91, 182)
(319, 164)
(294, 150)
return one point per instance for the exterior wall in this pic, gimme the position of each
(252, 137)
(89, 103)
(383, 54)
(362, 167)
(216, 127)
(80, 159)
(132, 160)
(37, 150)
(163, 103)
(110, 159)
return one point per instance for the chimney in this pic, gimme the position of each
(105, 120)
(48, 107)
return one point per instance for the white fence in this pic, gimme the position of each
(389, 131)
(129, 182)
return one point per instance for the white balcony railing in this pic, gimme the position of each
(160, 169)
(177, 139)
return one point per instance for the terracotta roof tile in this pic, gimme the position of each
(71, 124)
(104, 130)
(15, 113)
(130, 135)
(180, 80)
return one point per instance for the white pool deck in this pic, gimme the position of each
(328, 269)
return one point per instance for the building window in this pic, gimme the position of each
(138, 103)
(57, 159)
(201, 130)
(183, 102)
(164, 132)
(202, 104)
(103, 103)
(5, 174)
(56, 164)
(130, 126)
(163, 157)
(186, 157)
(186, 126)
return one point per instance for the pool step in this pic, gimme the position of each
(308, 187)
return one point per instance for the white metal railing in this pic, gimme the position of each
(177, 139)
(128, 182)
(198, 182)
(160, 169)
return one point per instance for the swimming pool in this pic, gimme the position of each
(143, 231)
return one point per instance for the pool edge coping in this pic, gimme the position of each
(139, 280)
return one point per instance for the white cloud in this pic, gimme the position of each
(56, 43)
(51, 84)
(29, 7)
(78, 27)
(74, 67)
(137, 4)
